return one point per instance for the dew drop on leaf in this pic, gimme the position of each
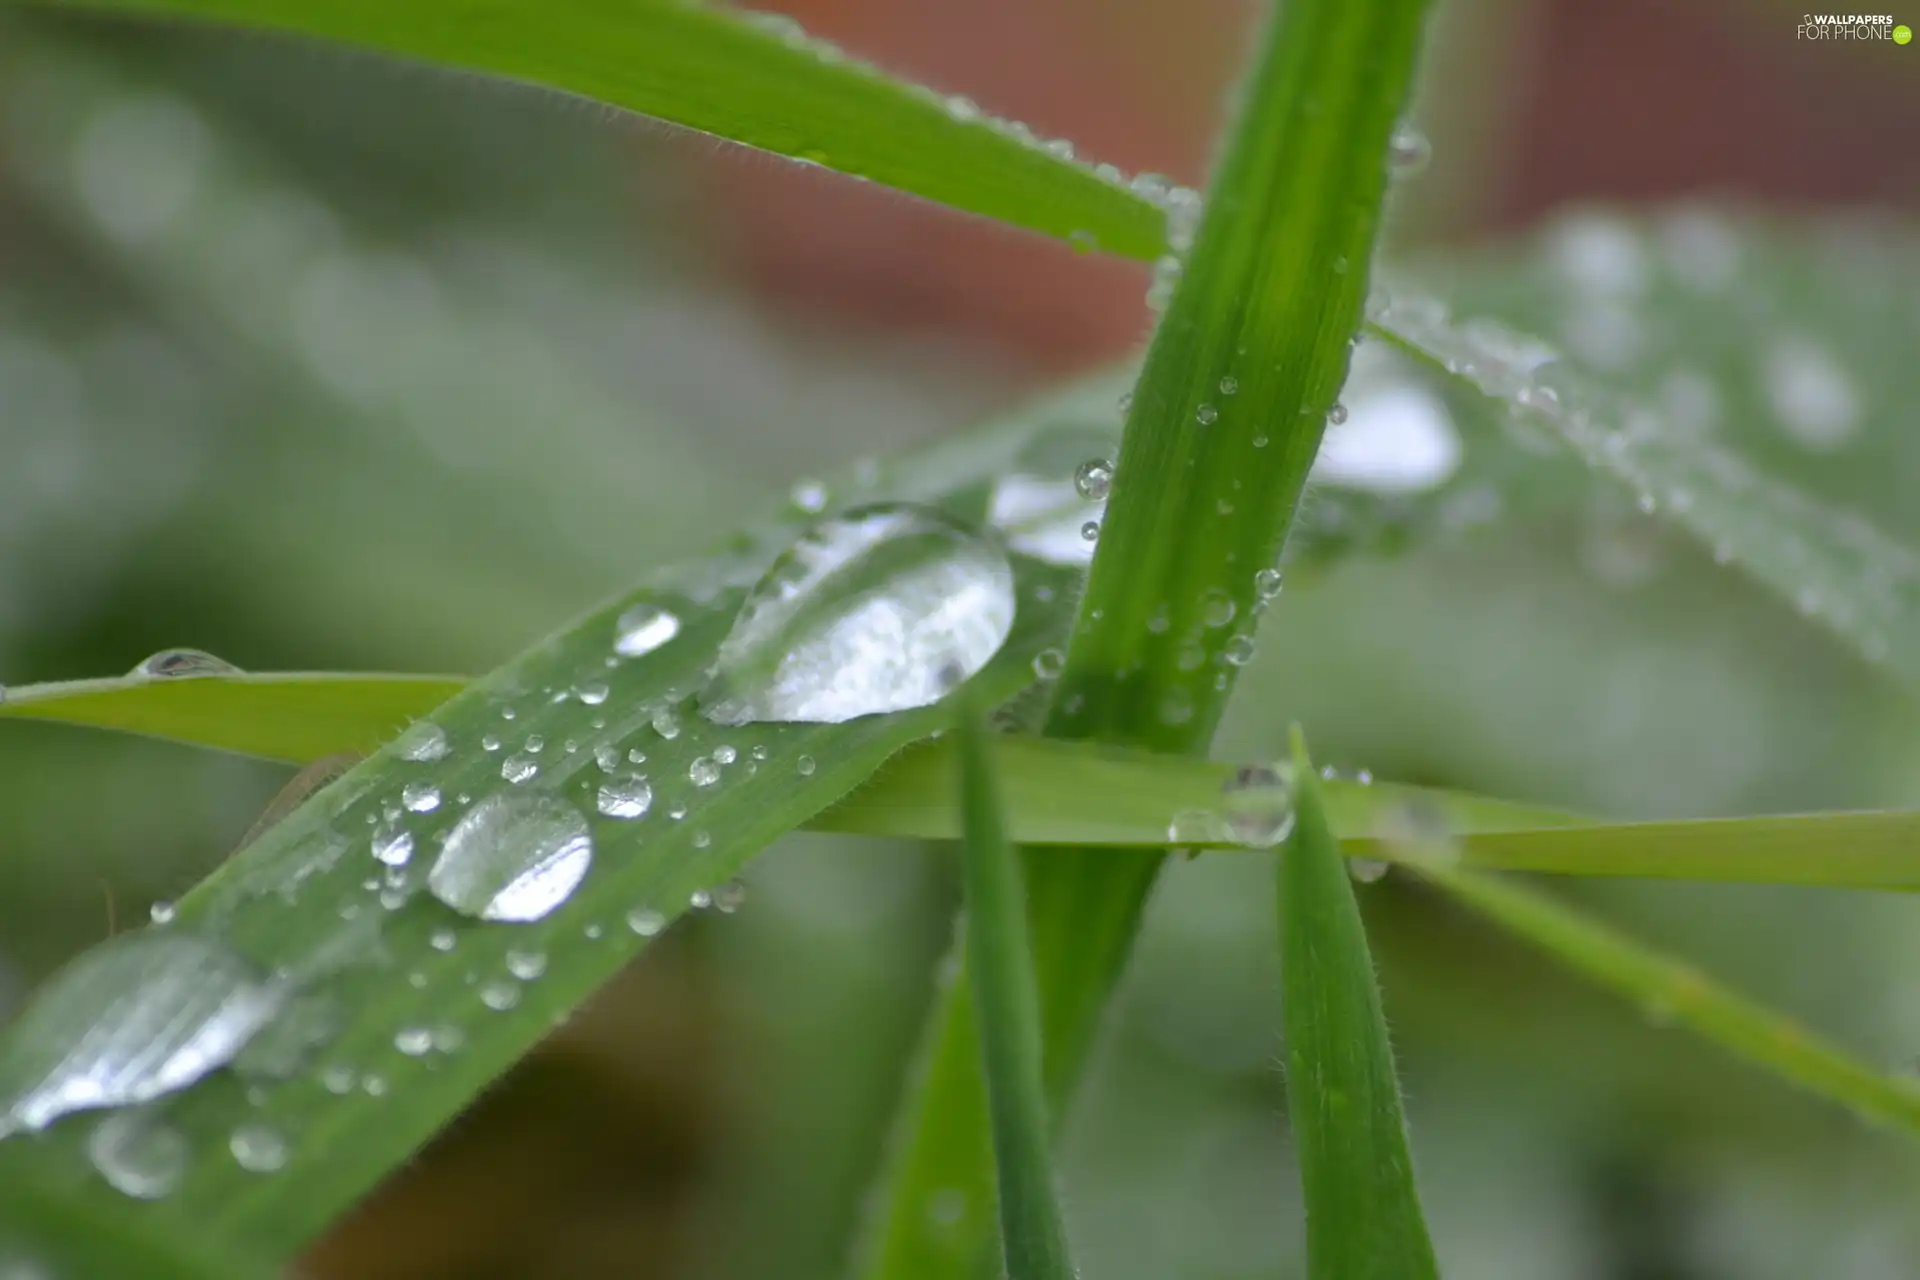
(512, 858)
(1093, 479)
(642, 629)
(1257, 804)
(526, 965)
(1408, 150)
(645, 922)
(420, 797)
(424, 742)
(138, 1017)
(181, 664)
(519, 767)
(138, 1154)
(879, 610)
(258, 1148)
(628, 797)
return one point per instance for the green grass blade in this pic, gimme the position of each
(1356, 1173)
(45, 1234)
(295, 716)
(1222, 429)
(753, 80)
(1677, 993)
(1000, 972)
(309, 897)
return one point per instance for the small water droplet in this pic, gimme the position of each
(1206, 415)
(1090, 531)
(591, 694)
(526, 965)
(512, 857)
(702, 839)
(413, 1041)
(444, 939)
(1093, 479)
(338, 1079)
(703, 772)
(607, 756)
(393, 846)
(424, 741)
(871, 612)
(810, 496)
(138, 1154)
(725, 754)
(1267, 584)
(490, 742)
(666, 724)
(137, 1017)
(1229, 386)
(1257, 803)
(645, 921)
(1337, 414)
(805, 766)
(628, 797)
(535, 744)
(519, 767)
(1367, 870)
(161, 912)
(1239, 650)
(700, 899)
(642, 629)
(1408, 150)
(500, 996)
(374, 1085)
(1216, 608)
(730, 897)
(258, 1149)
(1048, 663)
(182, 664)
(420, 797)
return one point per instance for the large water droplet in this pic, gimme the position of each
(180, 664)
(628, 797)
(420, 797)
(884, 609)
(138, 1017)
(1257, 803)
(513, 858)
(1093, 479)
(138, 1154)
(424, 742)
(642, 629)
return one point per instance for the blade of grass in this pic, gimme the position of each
(1675, 992)
(1356, 1173)
(1057, 792)
(45, 1234)
(1223, 427)
(295, 716)
(751, 79)
(1000, 971)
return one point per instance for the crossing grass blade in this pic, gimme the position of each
(752, 79)
(1223, 427)
(1364, 1220)
(1000, 973)
(1674, 992)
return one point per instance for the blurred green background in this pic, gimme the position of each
(318, 361)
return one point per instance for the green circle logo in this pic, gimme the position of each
(1902, 34)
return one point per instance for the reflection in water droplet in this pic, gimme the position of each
(628, 797)
(181, 664)
(879, 610)
(138, 1154)
(258, 1148)
(1257, 803)
(137, 1017)
(512, 857)
(425, 741)
(642, 629)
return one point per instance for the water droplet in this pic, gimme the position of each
(703, 772)
(700, 899)
(444, 939)
(883, 609)
(413, 1041)
(1090, 531)
(810, 496)
(666, 724)
(161, 912)
(490, 742)
(338, 1079)
(1229, 386)
(526, 965)
(500, 996)
(424, 742)
(592, 694)
(645, 921)
(1216, 608)
(642, 629)
(182, 664)
(1408, 150)
(1048, 663)
(258, 1149)
(535, 744)
(1267, 584)
(1198, 827)
(519, 767)
(1812, 396)
(636, 756)
(805, 766)
(1206, 415)
(140, 1016)
(628, 797)
(725, 754)
(393, 846)
(607, 756)
(1239, 650)
(1093, 479)
(1337, 414)
(702, 839)
(512, 857)
(138, 1154)
(374, 1085)
(1367, 870)
(1257, 802)
(730, 897)
(420, 797)
(448, 1038)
